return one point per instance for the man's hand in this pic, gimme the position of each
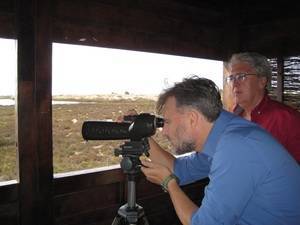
(131, 112)
(154, 172)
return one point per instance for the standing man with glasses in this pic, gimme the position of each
(249, 75)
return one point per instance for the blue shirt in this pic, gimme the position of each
(253, 179)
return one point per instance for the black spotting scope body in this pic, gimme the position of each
(135, 128)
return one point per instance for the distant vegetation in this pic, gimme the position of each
(7, 143)
(70, 151)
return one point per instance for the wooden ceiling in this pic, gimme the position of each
(208, 29)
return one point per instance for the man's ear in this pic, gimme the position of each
(263, 82)
(194, 117)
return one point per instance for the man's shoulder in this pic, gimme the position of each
(280, 108)
(235, 123)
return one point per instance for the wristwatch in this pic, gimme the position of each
(165, 182)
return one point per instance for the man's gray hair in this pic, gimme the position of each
(257, 61)
(199, 93)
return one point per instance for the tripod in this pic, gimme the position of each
(131, 213)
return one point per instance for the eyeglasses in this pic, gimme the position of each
(238, 77)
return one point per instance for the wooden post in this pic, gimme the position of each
(34, 111)
(280, 77)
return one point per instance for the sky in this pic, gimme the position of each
(83, 70)
(8, 67)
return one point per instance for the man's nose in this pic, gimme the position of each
(235, 83)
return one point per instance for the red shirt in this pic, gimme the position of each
(282, 121)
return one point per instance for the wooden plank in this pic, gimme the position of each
(7, 19)
(82, 180)
(9, 214)
(9, 205)
(8, 192)
(7, 26)
(96, 216)
(86, 200)
(114, 12)
(123, 38)
(99, 24)
(7, 6)
(283, 34)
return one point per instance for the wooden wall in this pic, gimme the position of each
(94, 198)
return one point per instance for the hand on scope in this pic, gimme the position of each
(131, 112)
(154, 172)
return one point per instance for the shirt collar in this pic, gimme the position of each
(238, 110)
(262, 103)
(219, 126)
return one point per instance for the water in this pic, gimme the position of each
(9, 102)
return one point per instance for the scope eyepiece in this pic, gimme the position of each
(159, 122)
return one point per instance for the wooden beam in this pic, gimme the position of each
(34, 109)
(144, 27)
(7, 19)
(283, 34)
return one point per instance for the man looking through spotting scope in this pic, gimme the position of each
(253, 180)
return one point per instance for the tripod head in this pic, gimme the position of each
(131, 152)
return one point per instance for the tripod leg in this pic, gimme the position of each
(117, 220)
(144, 221)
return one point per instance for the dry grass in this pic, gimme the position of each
(70, 151)
(7, 143)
